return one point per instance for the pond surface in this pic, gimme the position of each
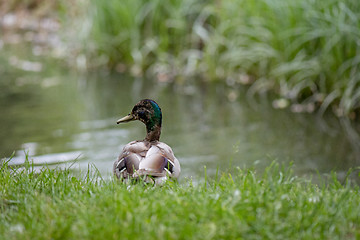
(59, 116)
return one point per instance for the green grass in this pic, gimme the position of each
(306, 51)
(54, 204)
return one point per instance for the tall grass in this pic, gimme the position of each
(306, 51)
(54, 204)
(138, 32)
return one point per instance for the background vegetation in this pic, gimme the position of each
(53, 204)
(305, 51)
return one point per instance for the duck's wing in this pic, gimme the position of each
(130, 158)
(174, 166)
(159, 162)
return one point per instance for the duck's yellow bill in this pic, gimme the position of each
(127, 118)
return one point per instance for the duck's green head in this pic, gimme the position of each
(146, 111)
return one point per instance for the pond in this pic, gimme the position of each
(66, 118)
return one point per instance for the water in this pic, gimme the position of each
(59, 116)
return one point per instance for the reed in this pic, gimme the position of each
(305, 51)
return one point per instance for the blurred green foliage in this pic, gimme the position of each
(306, 51)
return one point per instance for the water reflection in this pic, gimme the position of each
(78, 115)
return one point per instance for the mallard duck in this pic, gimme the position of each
(149, 159)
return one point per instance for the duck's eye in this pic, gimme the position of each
(141, 114)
